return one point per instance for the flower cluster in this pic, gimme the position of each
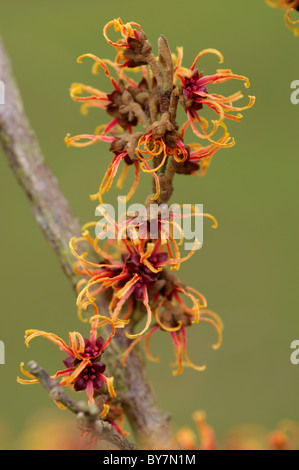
(143, 133)
(289, 6)
(133, 271)
(143, 128)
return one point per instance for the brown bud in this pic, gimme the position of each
(172, 315)
(171, 139)
(118, 146)
(137, 51)
(115, 108)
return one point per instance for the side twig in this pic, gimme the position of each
(87, 415)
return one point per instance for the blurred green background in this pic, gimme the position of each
(247, 269)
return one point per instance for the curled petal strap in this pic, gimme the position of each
(149, 315)
(77, 344)
(109, 382)
(72, 377)
(31, 334)
(290, 23)
(125, 29)
(32, 379)
(106, 409)
(99, 63)
(189, 362)
(95, 324)
(215, 321)
(208, 51)
(147, 336)
(128, 286)
(88, 139)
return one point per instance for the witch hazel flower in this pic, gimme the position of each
(130, 267)
(124, 116)
(200, 156)
(84, 368)
(111, 102)
(173, 315)
(194, 94)
(289, 6)
(175, 320)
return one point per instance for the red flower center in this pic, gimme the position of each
(92, 373)
(193, 86)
